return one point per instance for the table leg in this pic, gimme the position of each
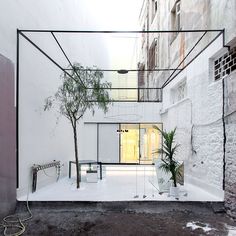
(69, 169)
(79, 173)
(100, 164)
(34, 184)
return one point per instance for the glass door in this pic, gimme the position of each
(139, 143)
(150, 140)
(129, 143)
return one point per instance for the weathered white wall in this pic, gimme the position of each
(198, 118)
(41, 140)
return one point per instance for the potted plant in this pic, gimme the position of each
(169, 163)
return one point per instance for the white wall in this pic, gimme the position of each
(131, 112)
(41, 140)
(108, 143)
(198, 119)
(127, 112)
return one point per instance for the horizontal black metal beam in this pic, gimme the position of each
(120, 88)
(123, 100)
(119, 31)
(124, 123)
(132, 70)
(125, 164)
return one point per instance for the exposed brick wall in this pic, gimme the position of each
(230, 148)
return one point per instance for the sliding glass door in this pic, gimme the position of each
(149, 143)
(129, 143)
(139, 143)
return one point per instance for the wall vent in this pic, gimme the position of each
(225, 64)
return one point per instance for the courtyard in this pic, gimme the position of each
(118, 117)
(118, 184)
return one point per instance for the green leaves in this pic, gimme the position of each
(168, 152)
(82, 91)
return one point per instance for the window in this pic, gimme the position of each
(225, 64)
(143, 35)
(177, 16)
(152, 55)
(179, 92)
(154, 8)
(141, 72)
(175, 19)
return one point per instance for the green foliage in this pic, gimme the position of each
(81, 91)
(168, 152)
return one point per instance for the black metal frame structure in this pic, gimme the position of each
(21, 32)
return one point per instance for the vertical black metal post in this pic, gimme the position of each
(139, 148)
(223, 38)
(138, 99)
(162, 141)
(17, 107)
(119, 125)
(70, 169)
(97, 142)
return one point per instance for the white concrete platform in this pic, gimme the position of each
(116, 186)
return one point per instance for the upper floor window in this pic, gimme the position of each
(152, 55)
(179, 92)
(175, 18)
(141, 73)
(143, 35)
(154, 8)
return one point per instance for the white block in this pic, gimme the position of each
(92, 176)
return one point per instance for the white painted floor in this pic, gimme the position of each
(116, 186)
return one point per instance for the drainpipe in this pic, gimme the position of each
(224, 131)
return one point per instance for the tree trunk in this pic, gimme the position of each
(76, 154)
(174, 178)
(173, 173)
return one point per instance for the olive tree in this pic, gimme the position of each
(82, 90)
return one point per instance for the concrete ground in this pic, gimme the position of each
(126, 218)
(118, 185)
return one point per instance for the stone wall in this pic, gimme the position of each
(230, 146)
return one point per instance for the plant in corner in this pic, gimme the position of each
(169, 163)
(81, 90)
